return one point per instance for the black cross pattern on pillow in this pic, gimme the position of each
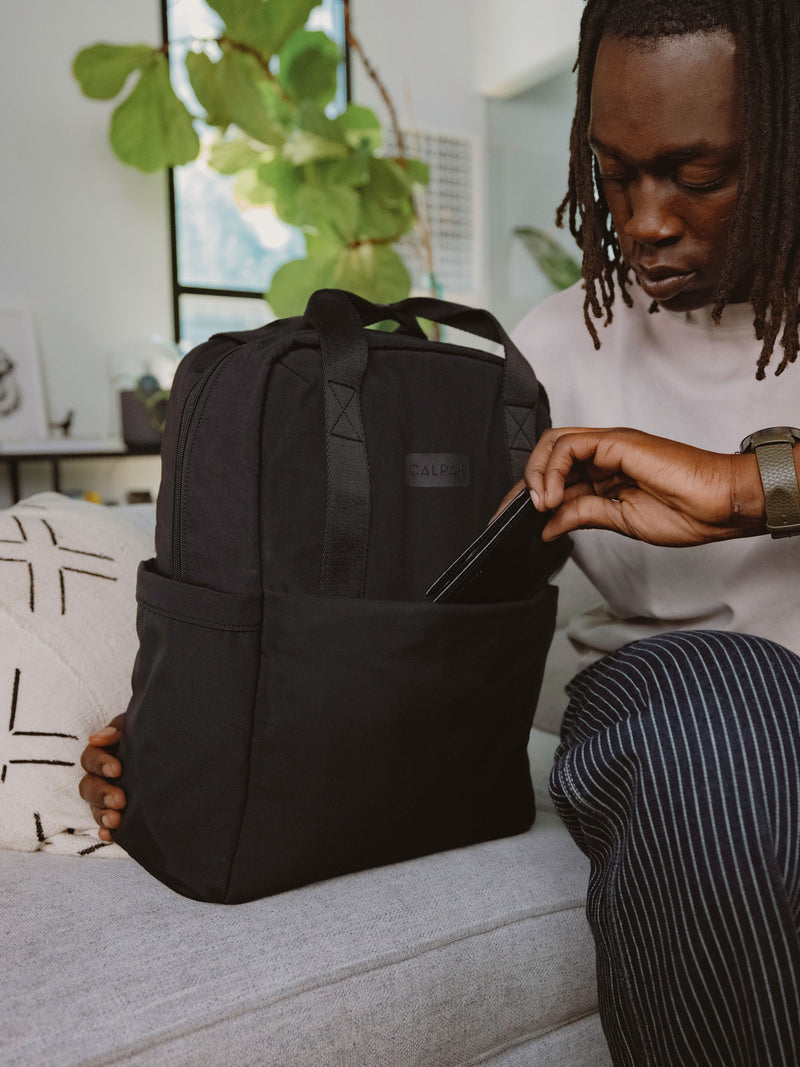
(34, 544)
(29, 745)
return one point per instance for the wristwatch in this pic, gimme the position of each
(773, 449)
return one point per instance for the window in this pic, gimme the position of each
(223, 253)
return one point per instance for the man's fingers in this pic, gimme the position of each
(104, 817)
(105, 800)
(100, 794)
(552, 464)
(106, 737)
(97, 761)
(587, 512)
(537, 465)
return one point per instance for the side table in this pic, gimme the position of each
(54, 452)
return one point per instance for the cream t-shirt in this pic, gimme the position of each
(676, 375)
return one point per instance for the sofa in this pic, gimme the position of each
(480, 955)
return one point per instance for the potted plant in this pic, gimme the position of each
(141, 373)
(264, 83)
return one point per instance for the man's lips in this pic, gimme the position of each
(664, 283)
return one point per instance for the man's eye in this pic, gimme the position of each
(702, 186)
(704, 179)
(618, 178)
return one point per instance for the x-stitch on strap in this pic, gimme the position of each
(347, 509)
(521, 437)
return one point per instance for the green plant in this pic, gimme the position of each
(154, 402)
(264, 83)
(557, 265)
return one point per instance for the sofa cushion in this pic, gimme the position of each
(67, 645)
(541, 748)
(455, 958)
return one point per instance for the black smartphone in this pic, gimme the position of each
(508, 561)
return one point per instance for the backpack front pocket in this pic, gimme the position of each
(387, 730)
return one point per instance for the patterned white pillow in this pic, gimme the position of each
(67, 645)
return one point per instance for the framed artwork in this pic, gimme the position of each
(22, 407)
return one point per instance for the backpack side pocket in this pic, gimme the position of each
(186, 739)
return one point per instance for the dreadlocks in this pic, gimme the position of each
(767, 214)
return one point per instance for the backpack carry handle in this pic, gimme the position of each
(339, 319)
(518, 381)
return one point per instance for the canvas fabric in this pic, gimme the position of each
(320, 715)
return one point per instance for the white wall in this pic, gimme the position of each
(85, 242)
(520, 43)
(422, 49)
(528, 157)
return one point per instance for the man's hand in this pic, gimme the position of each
(105, 800)
(645, 487)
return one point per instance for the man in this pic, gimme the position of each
(679, 768)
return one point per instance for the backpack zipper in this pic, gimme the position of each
(192, 410)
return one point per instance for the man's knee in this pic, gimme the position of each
(711, 703)
(676, 673)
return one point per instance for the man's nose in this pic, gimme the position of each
(652, 219)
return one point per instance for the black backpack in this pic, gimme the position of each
(299, 709)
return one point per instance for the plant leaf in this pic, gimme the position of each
(204, 77)
(419, 173)
(327, 209)
(229, 156)
(102, 69)
(309, 62)
(245, 22)
(358, 125)
(314, 120)
(372, 271)
(294, 282)
(263, 24)
(389, 183)
(285, 180)
(246, 92)
(557, 265)
(377, 222)
(375, 272)
(249, 187)
(304, 147)
(352, 170)
(152, 129)
(387, 210)
(286, 16)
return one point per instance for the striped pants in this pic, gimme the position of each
(678, 774)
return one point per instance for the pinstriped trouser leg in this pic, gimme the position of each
(679, 776)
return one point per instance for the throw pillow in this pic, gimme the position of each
(67, 645)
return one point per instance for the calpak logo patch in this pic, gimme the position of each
(436, 470)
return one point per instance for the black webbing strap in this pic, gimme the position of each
(339, 319)
(344, 349)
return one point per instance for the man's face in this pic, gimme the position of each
(666, 131)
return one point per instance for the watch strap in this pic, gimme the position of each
(781, 492)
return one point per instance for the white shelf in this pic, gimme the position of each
(62, 446)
